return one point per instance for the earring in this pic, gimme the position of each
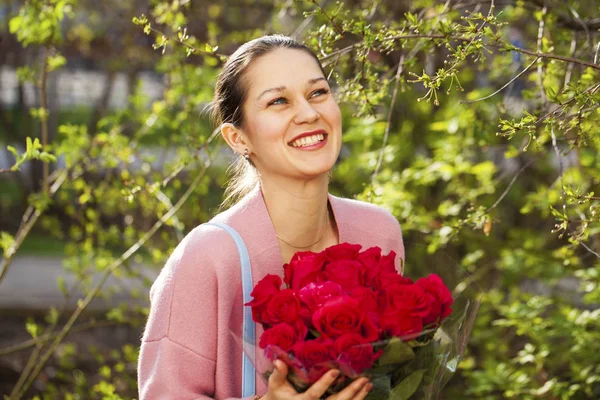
(246, 156)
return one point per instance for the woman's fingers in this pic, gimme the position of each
(364, 391)
(279, 376)
(357, 390)
(318, 389)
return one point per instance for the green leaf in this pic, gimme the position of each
(52, 316)
(6, 241)
(396, 352)
(381, 388)
(62, 285)
(15, 23)
(32, 328)
(12, 150)
(55, 62)
(408, 386)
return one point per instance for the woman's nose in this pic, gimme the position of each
(306, 113)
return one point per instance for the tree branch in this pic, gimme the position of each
(29, 219)
(510, 185)
(464, 39)
(503, 87)
(389, 119)
(44, 117)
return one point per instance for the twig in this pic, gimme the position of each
(575, 15)
(389, 119)
(512, 182)
(306, 22)
(560, 168)
(47, 336)
(591, 90)
(189, 46)
(83, 303)
(590, 250)
(553, 57)
(339, 30)
(503, 87)
(29, 219)
(540, 67)
(570, 66)
(340, 51)
(44, 117)
(337, 60)
(549, 56)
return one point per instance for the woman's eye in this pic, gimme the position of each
(319, 92)
(280, 100)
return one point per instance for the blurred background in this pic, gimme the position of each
(473, 122)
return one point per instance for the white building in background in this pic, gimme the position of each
(77, 88)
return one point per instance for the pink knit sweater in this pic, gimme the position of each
(189, 349)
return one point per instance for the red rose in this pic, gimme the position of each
(314, 295)
(313, 352)
(404, 306)
(342, 315)
(387, 262)
(370, 257)
(367, 299)
(282, 335)
(262, 293)
(441, 305)
(304, 267)
(342, 251)
(387, 278)
(404, 326)
(410, 300)
(379, 275)
(347, 273)
(284, 306)
(354, 350)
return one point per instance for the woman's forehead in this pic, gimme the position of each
(279, 68)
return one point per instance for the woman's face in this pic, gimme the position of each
(291, 119)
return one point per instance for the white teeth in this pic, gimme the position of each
(307, 141)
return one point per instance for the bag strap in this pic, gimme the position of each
(248, 326)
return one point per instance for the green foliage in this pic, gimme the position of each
(38, 22)
(33, 151)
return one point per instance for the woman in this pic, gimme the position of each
(276, 110)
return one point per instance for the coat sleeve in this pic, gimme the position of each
(178, 350)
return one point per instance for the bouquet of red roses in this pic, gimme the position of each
(351, 310)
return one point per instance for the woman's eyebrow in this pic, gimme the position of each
(280, 89)
(277, 89)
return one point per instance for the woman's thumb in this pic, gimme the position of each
(279, 375)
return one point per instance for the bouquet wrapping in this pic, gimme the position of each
(351, 310)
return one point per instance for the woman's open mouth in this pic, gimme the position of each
(310, 142)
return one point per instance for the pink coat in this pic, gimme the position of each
(189, 349)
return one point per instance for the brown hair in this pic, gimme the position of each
(230, 94)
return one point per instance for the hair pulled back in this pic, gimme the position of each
(227, 105)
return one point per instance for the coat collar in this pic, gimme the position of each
(250, 218)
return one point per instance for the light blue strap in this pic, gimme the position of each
(248, 327)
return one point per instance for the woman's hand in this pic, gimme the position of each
(281, 389)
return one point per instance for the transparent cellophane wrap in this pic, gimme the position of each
(416, 367)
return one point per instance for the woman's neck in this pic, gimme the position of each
(299, 213)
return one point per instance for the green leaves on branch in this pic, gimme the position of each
(39, 22)
(33, 151)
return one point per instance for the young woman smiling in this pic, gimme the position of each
(276, 110)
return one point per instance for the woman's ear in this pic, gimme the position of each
(234, 138)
